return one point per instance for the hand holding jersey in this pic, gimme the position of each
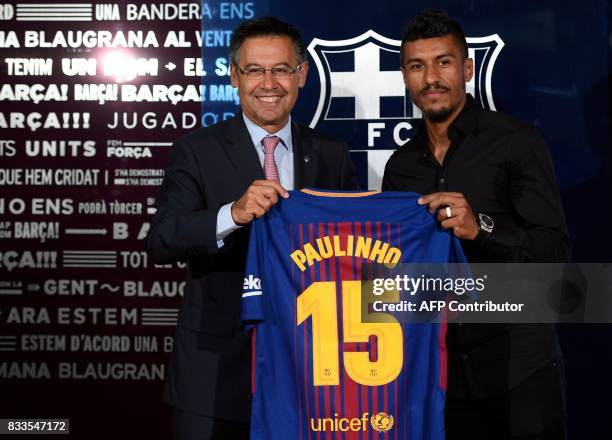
(257, 200)
(457, 216)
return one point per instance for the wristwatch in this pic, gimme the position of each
(485, 227)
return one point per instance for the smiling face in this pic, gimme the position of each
(435, 72)
(268, 101)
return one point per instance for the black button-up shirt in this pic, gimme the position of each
(504, 169)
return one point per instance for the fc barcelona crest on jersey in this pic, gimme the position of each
(382, 422)
(362, 93)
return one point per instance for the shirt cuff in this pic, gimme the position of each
(225, 223)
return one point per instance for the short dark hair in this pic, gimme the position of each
(265, 27)
(429, 24)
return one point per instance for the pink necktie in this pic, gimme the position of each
(270, 170)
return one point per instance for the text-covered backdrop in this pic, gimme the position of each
(92, 96)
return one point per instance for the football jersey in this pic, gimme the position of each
(319, 372)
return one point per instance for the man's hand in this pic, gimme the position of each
(462, 219)
(257, 200)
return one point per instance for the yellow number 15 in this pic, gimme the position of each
(319, 301)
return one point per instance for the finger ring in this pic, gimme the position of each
(449, 213)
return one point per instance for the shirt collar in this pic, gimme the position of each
(257, 133)
(465, 123)
(467, 120)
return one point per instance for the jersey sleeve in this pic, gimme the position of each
(254, 274)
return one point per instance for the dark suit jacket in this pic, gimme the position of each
(209, 373)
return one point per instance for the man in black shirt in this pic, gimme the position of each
(490, 179)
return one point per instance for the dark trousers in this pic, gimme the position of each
(534, 410)
(190, 426)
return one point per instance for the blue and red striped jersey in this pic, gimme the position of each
(319, 372)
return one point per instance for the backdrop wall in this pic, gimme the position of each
(92, 96)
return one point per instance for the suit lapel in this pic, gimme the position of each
(304, 158)
(240, 150)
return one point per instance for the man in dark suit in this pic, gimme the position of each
(219, 179)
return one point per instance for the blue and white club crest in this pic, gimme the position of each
(363, 99)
